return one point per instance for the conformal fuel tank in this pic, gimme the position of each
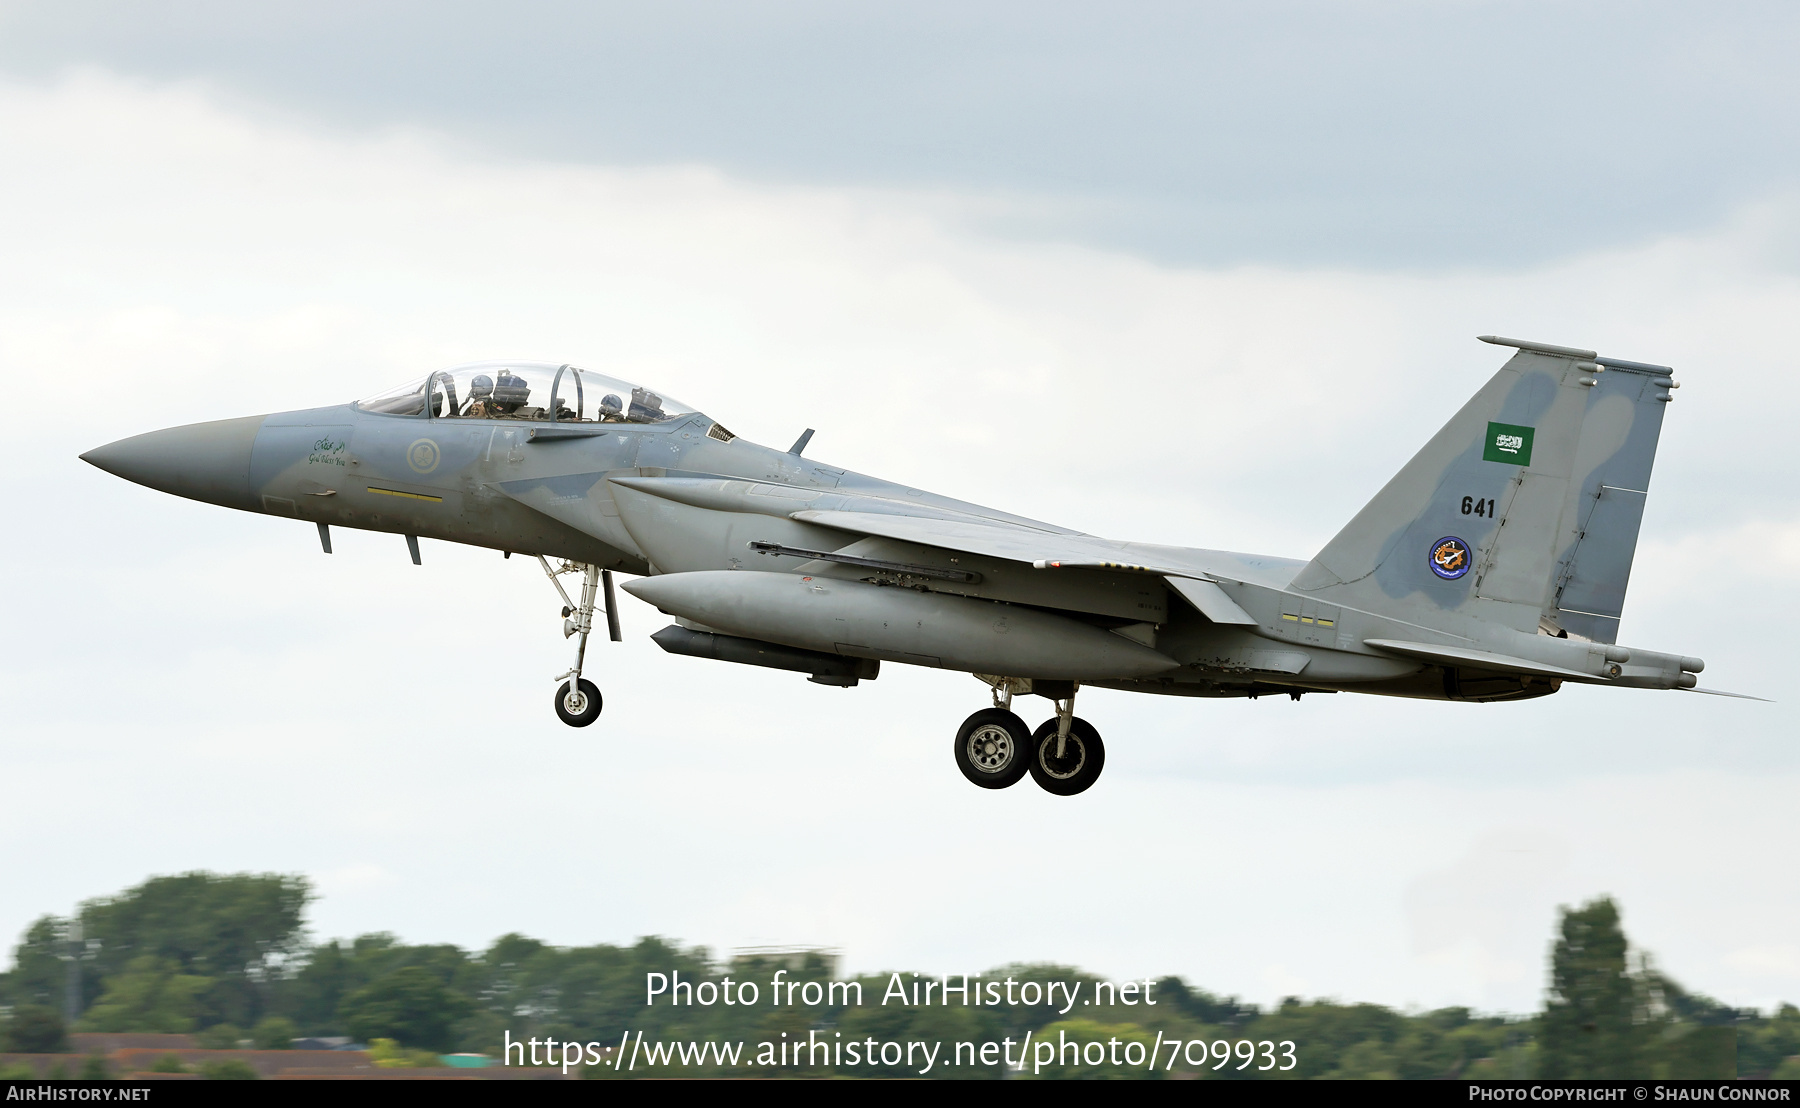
(899, 624)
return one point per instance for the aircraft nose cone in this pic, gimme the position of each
(201, 461)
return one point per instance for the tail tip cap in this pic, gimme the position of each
(1539, 347)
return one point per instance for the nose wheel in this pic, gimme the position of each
(579, 705)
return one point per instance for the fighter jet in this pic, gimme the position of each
(1492, 567)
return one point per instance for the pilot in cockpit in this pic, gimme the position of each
(612, 409)
(481, 393)
(491, 398)
(510, 393)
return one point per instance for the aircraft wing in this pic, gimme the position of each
(1040, 549)
(993, 541)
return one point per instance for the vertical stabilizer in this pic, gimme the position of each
(1513, 513)
(1597, 537)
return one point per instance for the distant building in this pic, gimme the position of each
(791, 958)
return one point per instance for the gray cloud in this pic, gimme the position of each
(1389, 135)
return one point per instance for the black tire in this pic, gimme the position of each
(1084, 756)
(587, 700)
(992, 748)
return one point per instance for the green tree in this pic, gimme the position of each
(316, 996)
(591, 993)
(1369, 1060)
(389, 1054)
(312, 996)
(236, 930)
(411, 1004)
(152, 994)
(39, 974)
(220, 1036)
(1593, 1023)
(1202, 1006)
(1078, 1042)
(1763, 1049)
(228, 1069)
(35, 1029)
(275, 1033)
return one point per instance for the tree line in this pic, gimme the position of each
(226, 957)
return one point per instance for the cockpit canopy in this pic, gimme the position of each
(529, 391)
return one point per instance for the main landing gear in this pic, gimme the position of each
(578, 700)
(994, 749)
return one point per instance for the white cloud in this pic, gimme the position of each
(190, 687)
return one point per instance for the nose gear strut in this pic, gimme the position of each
(577, 700)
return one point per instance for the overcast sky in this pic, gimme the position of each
(1385, 133)
(1204, 275)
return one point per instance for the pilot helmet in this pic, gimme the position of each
(611, 405)
(481, 387)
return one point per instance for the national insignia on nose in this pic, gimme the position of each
(422, 456)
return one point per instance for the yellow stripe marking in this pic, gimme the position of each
(1285, 616)
(408, 495)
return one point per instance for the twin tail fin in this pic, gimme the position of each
(1523, 510)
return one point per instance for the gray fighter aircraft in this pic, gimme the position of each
(1492, 567)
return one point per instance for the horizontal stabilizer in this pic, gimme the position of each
(1733, 695)
(1212, 601)
(1475, 659)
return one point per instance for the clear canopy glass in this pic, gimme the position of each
(530, 391)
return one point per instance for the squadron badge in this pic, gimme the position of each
(1450, 557)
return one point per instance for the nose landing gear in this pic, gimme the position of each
(578, 700)
(994, 750)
